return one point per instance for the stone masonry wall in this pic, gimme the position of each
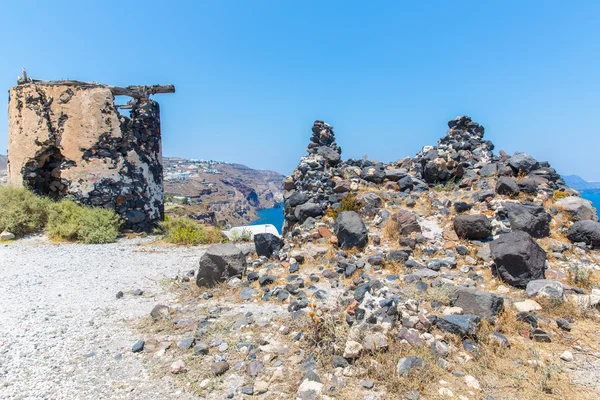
(70, 141)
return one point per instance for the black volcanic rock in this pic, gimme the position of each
(266, 244)
(351, 230)
(473, 227)
(528, 218)
(587, 232)
(518, 258)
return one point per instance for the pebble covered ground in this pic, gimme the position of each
(63, 332)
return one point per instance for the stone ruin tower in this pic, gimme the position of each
(67, 139)
(308, 190)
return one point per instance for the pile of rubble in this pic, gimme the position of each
(435, 276)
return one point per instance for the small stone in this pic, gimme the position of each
(563, 324)
(247, 390)
(119, 295)
(201, 349)
(367, 384)
(445, 392)
(539, 335)
(254, 368)
(413, 395)
(178, 367)
(339, 362)
(566, 356)
(138, 292)
(186, 343)
(138, 346)
(247, 293)
(5, 236)
(527, 305)
(223, 347)
(309, 390)
(375, 342)
(160, 311)
(472, 382)
(406, 364)
(352, 349)
(219, 368)
(500, 339)
(261, 387)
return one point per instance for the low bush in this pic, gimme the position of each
(69, 221)
(348, 203)
(181, 230)
(22, 212)
(244, 235)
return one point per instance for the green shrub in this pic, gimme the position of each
(69, 221)
(22, 212)
(181, 230)
(348, 203)
(245, 235)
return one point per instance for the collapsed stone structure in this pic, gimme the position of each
(461, 157)
(67, 139)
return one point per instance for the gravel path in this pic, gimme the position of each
(64, 335)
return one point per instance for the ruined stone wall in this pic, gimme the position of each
(70, 141)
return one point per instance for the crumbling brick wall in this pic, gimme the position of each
(70, 141)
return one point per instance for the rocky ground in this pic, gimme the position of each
(456, 274)
(63, 332)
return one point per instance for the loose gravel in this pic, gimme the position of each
(63, 332)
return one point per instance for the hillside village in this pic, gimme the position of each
(222, 193)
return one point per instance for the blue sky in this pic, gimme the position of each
(252, 76)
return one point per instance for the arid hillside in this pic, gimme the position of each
(221, 193)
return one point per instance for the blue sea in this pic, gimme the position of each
(593, 196)
(273, 216)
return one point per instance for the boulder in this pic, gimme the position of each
(518, 258)
(219, 263)
(374, 173)
(296, 199)
(528, 185)
(523, 162)
(587, 232)
(463, 325)
(407, 222)
(580, 209)
(507, 186)
(405, 183)
(478, 302)
(529, 218)
(473, 227)
(266, 244)
(488, 170)
(351, 230)
(306, 210)
(395, 174)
